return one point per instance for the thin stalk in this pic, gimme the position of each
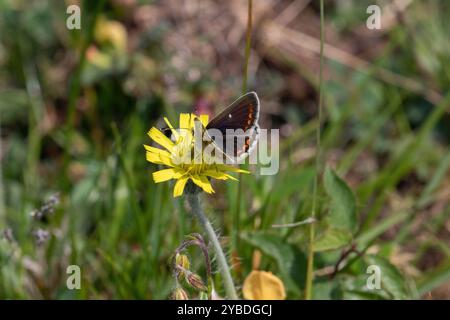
(197, 211)
(2, 195)
(248, 39)
(75, 84)
(130, 184)
(310, 266)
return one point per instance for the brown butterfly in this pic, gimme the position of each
(238, 125)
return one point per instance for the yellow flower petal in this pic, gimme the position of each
(153, 157)
(262, 285)
(159, 159)
(231, 177)
(216, 174)
(203, 183)
(204, 119)
(219, 175)
(224, 167)
(185, 121)
(156, 150)
(160, 139)
(164, 175)
(179, 186)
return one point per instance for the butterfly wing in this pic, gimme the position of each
(242, 117)
(241, 114)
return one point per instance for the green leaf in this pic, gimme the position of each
(366, 237)
(290, 260)
(324, 289)
(392, 280)
(343, 213)
(434, 278)
(13, 105)
(361, 295)
(355, 288)
(332, 239)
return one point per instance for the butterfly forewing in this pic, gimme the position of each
(241, 114)
(238, 125)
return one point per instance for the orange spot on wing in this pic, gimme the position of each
(250, 117)
(247, 144)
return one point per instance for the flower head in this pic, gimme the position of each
(183, 162)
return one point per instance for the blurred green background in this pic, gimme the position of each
(75, 106)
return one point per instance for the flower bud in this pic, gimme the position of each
(182, 264)
(195, 281)
(182, 261)
(180, 294)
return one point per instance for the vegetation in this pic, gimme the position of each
(76, 189)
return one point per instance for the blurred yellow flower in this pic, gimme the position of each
(111, 32)
(179, 157)
(98, 58)
(263, 285)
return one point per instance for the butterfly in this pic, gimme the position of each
(238, 126)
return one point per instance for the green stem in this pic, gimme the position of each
(248, 40)
(221, 260)
(310, 265)
(2, 195)
(130, 184)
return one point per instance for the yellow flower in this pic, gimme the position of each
(111, 32)
(262, 285)
(178, 157)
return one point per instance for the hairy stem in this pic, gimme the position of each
(197, 210)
